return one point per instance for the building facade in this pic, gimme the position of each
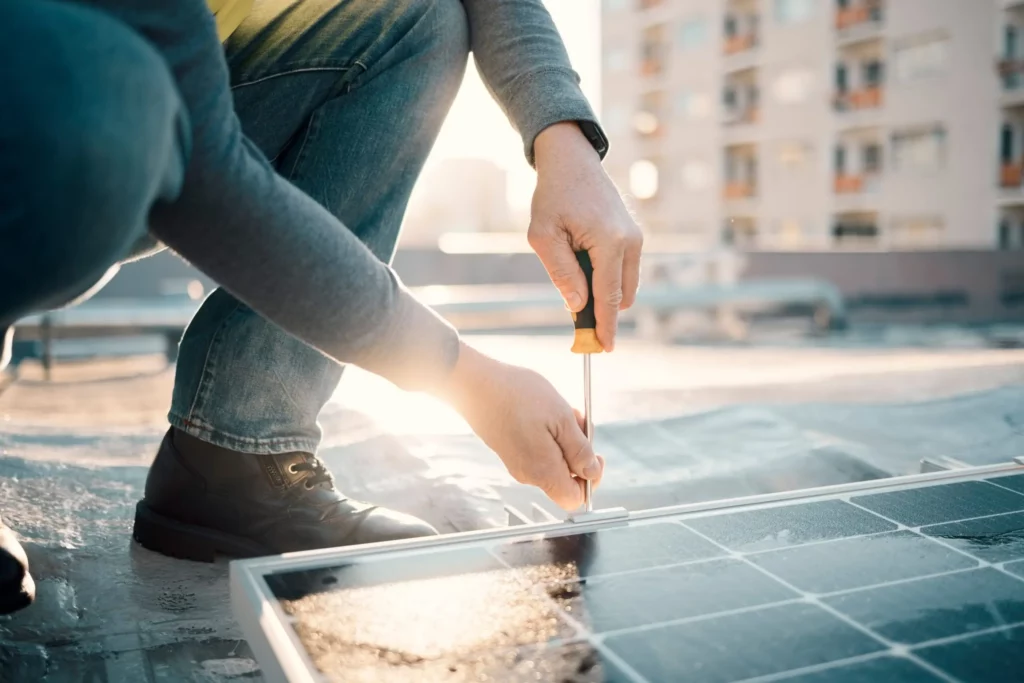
(819, 124)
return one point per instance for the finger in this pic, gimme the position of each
(558, 258)
(594, 483)
(607, 292)
(558, 483)
(576, 449)
(631, 271)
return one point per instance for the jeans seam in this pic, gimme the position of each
(296, 68)
(209, 369)
(311, 129)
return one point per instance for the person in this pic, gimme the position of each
(279, 162)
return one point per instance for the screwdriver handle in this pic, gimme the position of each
(585, 322)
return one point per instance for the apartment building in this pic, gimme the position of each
(819, 124)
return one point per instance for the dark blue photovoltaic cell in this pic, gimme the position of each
(945, 503)
(986, 658)
(1014, 482)
(937, 607)
(656, 595)
(779, 527)
(879, 670)
(861, 561)
(994, 539)
(739, 646)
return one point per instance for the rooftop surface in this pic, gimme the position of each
(677, 424)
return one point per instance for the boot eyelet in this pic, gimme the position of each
(308, 485)
(291, 469)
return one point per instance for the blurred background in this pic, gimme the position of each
(833, 291)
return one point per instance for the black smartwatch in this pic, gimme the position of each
(593, 133)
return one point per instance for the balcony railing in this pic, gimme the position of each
(865, 98)
(1010, 175)
(848, 183)
(735, 189)
(1010, 71)
(739, 43)
(735, 117)
(860, 13)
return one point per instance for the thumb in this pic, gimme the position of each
(559, 259)
(576, 449)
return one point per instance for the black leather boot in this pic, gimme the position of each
(17, 589)
(203, 500)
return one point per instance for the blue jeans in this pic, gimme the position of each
(345, 98)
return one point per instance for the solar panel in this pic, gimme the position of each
(917, 579)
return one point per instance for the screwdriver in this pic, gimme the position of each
(585, 342)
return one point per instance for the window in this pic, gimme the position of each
(1006, 144)
(921, 59)
(647, 4)
(793, 11)
(842, 83)
(753, 95)
(729, 97)
(1010, 42)
(693, 33)
(730, 26)
(840, 160)
(919, 149)
(1004, 234)
(653, 50)
(871, 157)
(859, 230)
(873, 73)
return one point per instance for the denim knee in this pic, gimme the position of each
(95, 136)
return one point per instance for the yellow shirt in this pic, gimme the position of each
(229, 14)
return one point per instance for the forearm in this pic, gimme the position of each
(523, 62)
(265, 241)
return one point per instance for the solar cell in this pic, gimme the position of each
(842, 587)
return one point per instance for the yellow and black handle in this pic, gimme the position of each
(585, 340)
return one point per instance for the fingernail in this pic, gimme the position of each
(573, 301)
(592, 470)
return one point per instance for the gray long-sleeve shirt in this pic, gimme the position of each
(279, 251)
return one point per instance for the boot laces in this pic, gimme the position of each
(320, 474)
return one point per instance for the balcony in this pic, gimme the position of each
(864, 183)
(1010, 176)
(737, 190)
(869, 97)
(858, 14)
(738, 44)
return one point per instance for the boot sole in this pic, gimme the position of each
(17, 597)
(170, 537)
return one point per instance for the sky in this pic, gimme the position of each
(477, 128)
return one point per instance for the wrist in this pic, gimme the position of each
(560, 140)
(465, 377)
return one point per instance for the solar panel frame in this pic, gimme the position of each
(282, 655)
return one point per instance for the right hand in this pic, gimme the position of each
(523, 419)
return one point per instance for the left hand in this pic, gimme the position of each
(577, 207)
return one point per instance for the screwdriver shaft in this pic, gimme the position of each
(588, 501)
